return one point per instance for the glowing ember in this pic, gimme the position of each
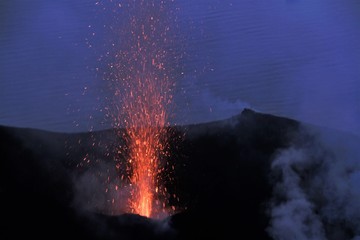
(143, 83)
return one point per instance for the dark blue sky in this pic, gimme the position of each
(298, 59)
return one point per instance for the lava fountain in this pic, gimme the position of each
(144, 84)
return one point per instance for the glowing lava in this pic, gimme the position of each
(145, 136)
(144, 84)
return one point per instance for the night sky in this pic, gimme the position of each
(293, 58)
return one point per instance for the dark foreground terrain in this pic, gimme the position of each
(256, 176)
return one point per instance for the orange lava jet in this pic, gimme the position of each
(146, 139)
(144, 84)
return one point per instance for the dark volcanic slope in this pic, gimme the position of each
(54, 185)
(223, 176)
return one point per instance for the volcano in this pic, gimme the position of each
(254, 175)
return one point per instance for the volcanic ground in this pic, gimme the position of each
(252, 176)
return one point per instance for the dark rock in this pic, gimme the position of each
(221, 176)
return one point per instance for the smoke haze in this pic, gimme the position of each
(316, 192)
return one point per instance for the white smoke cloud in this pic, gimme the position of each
(317, 195)
(100, 189)
(294, 217)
